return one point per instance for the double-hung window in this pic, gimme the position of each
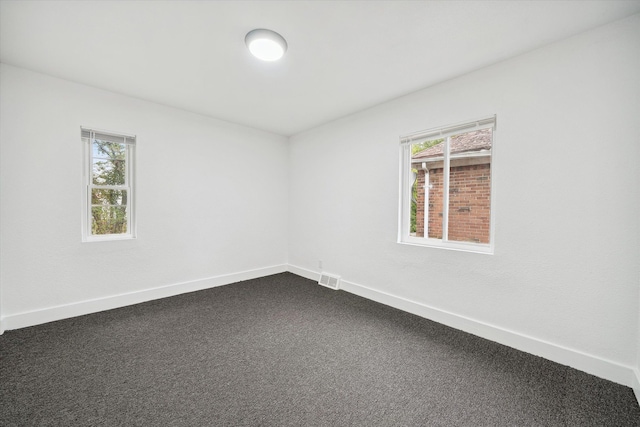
(109, 211)
(445, 186)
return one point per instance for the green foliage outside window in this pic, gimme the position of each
(108, 205)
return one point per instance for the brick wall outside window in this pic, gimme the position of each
(469, 203)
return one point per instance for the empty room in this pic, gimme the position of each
(319, 213)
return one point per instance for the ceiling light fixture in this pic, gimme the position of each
(266, 44)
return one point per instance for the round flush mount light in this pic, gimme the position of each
(266, 44)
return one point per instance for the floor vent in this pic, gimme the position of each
(330, 281)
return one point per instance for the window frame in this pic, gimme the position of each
(406, 184)
(88, 185)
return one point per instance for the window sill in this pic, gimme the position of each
(453, 246)
(107, 238)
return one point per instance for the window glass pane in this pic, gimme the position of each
(417, 224)
(109, 165)
(109, 150)
(106, 197)
(426, 208)
(435, 203)
(108, 220)
(108, 172)
(470, 187)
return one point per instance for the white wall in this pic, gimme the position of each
(564, 278)
(636, 381)
(212, 200)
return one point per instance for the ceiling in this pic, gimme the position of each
(343, 57)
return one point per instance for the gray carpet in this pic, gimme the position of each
(284, 351)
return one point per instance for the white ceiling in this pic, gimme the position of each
(343, 56)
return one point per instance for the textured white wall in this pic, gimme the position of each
(636, 382)
(567, 204)
(212, 196)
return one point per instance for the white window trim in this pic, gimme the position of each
(87, 186)
(404, 207)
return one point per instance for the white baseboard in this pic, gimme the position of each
(594, 365)
(50, 314)
(591, 364)
(636, 384)
(307, 274)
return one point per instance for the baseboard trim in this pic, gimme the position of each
(307, 274)
(636, 384)
(594, 365)
(50, 314)
(591, 364)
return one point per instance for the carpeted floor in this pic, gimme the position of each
(284, 351)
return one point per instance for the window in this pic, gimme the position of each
(108, 186)
(446, 193)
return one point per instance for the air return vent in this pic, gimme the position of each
(329, 280)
